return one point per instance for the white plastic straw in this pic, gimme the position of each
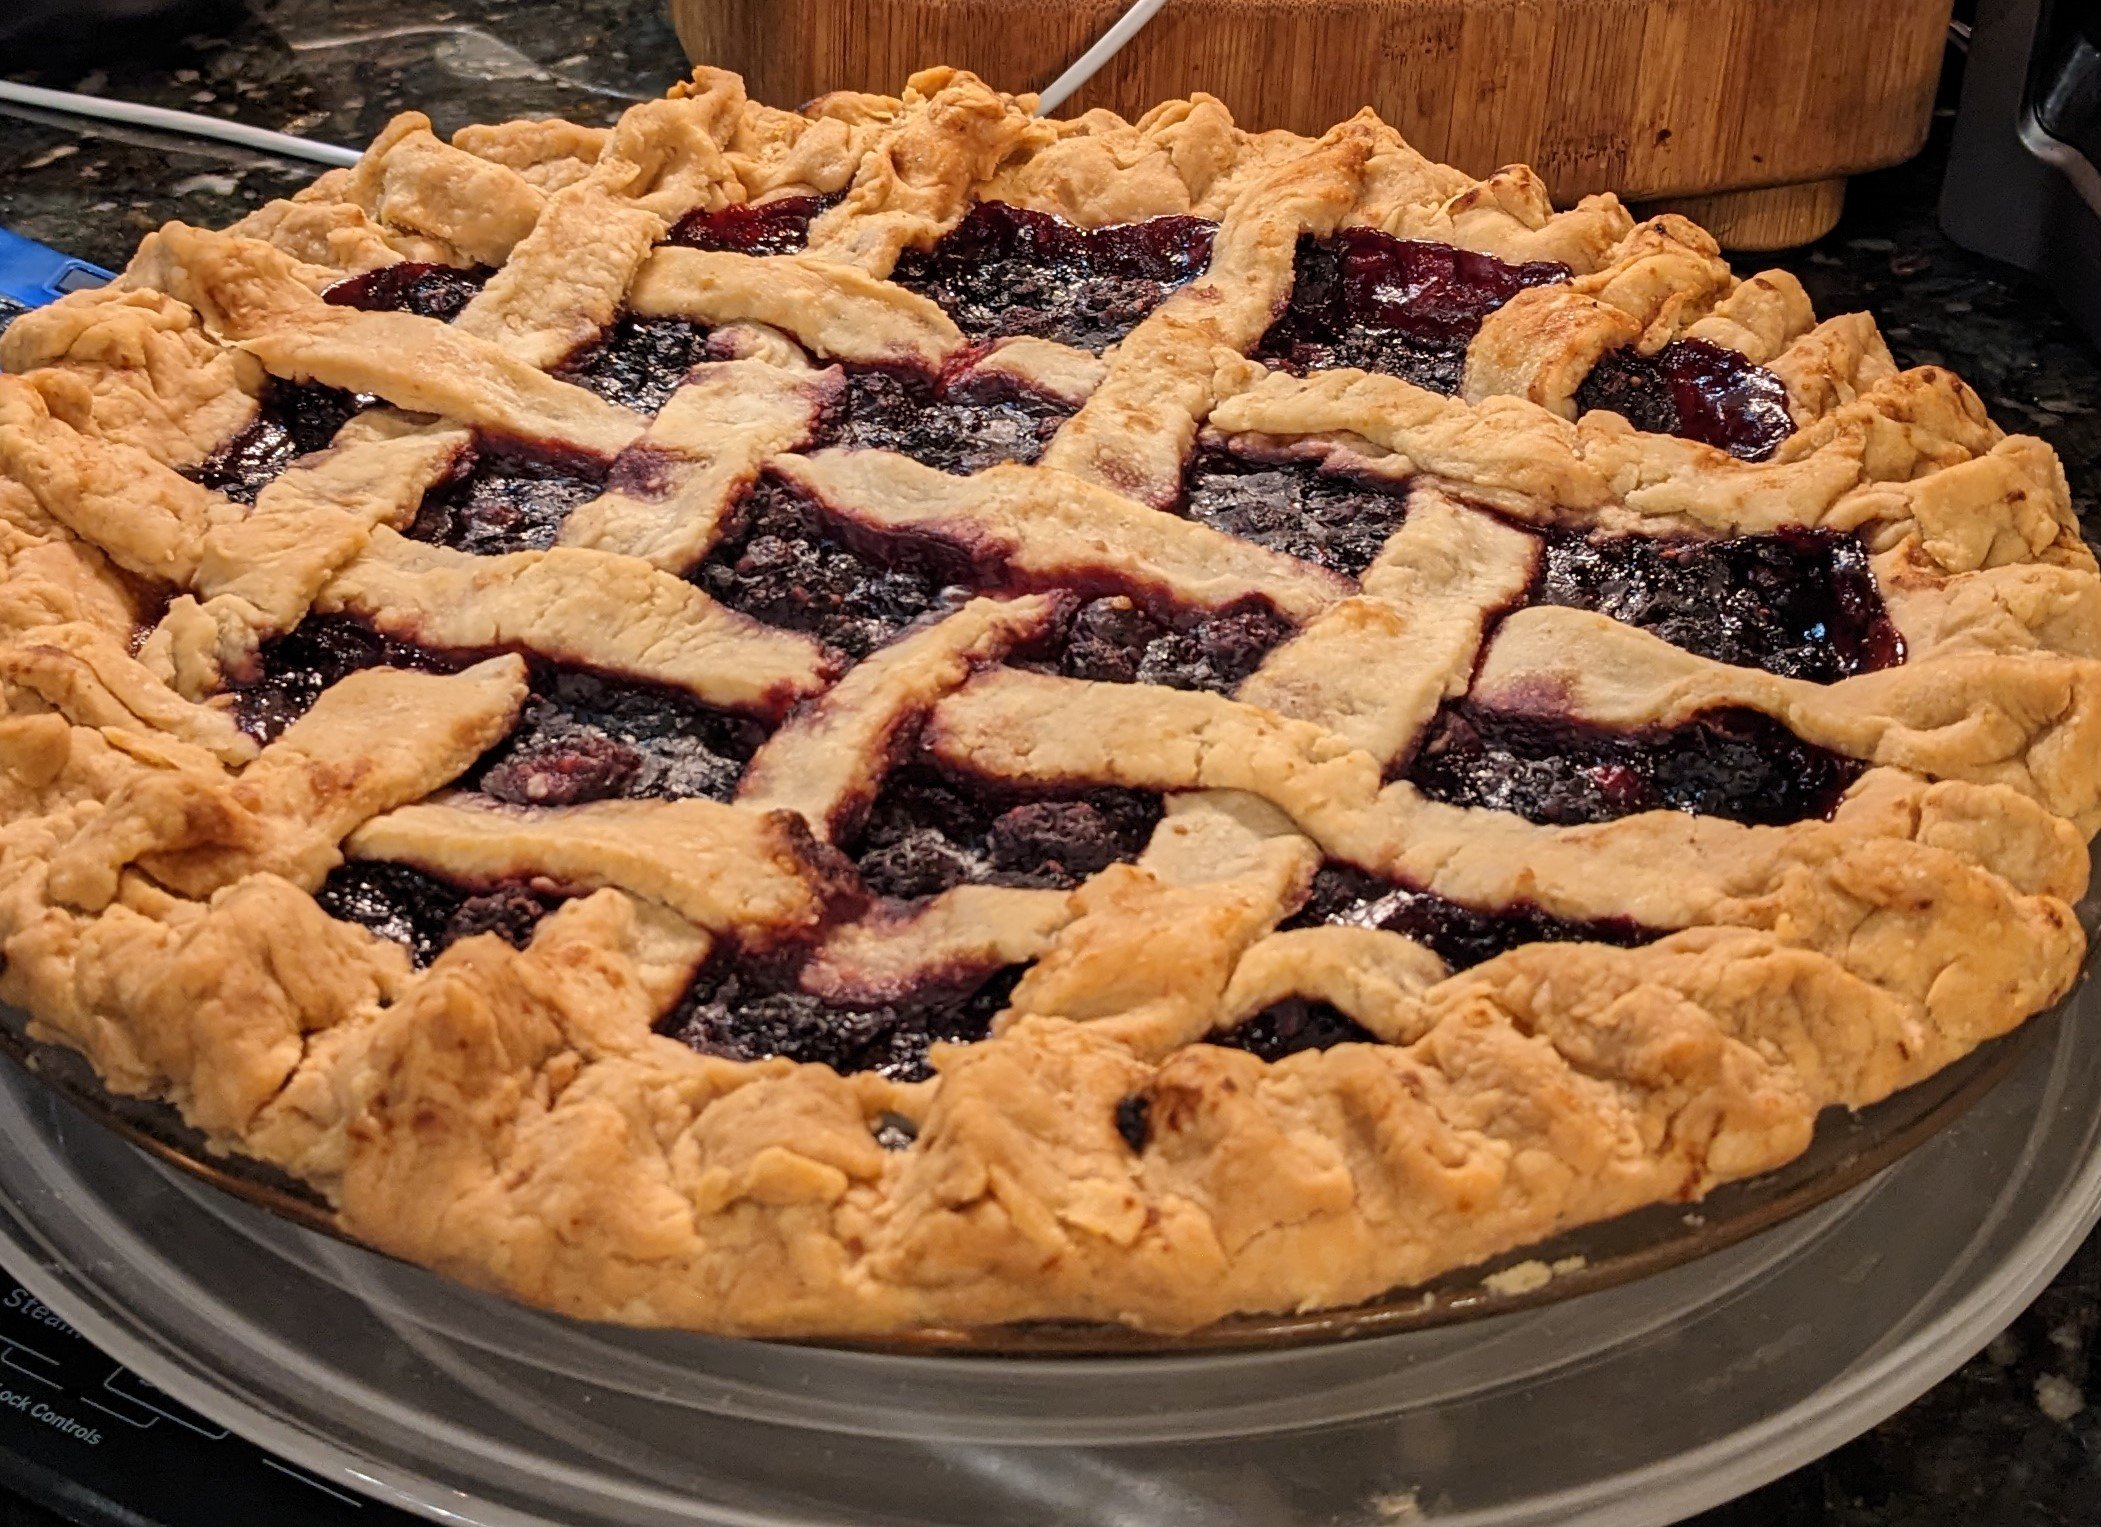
(1111, 43)
(187, 123)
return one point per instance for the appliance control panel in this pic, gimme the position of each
(90, 1441)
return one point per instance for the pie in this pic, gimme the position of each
(906, 716)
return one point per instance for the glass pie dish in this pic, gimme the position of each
(1699, 1361)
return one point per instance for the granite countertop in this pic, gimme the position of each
(2009, 1438)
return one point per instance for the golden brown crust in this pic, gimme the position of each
(512, 1115)
(588, 608)
(703, 451)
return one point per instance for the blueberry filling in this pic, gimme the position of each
(1134, 1120)
(781, 226)
(638, 362)
(1295, 1024)
(928, 832)
(1700, 391)
(742, 1012)
(1460, 935)
(293, 419)
(1339, 522)
(429, 291)
(1801, 603)
(962, 427)
(1730, 763)
(1005, 270)
(426, 914)
(586, 737)
(1116, 640)
(296, 666)
(498, 501)
(783, 562)
(1367, 299)
(582, 736)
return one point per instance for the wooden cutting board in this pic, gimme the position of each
(1746, 114)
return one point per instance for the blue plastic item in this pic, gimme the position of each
(32, 274)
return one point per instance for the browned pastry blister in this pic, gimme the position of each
(907, 715)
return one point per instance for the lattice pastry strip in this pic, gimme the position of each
(1021, 613)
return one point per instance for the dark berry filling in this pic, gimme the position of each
(292, 420)
(781, 226)
(1294, 507)
(582, 736)
(1700, 391)
(1295, 1024)
(586, 737)
(1006, 270)
(1116, 640)
(928, 832)
(784, 563)
(741, 1012)
(322, 649)
(497, 501)
(1801, 603)
(1367, 299)
(425, 914)
(511, 912)
(1730, 763)
(430, 291)
(638, 362)
(963, 426)
(1460, 935)
(1134, 1120)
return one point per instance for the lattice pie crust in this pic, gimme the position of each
(524, 1118)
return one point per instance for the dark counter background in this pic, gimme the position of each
(2009, 1440)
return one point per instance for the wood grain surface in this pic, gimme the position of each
(1659, 100)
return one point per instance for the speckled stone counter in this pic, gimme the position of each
(2010, 1438)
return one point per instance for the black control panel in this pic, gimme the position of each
(93, 1443)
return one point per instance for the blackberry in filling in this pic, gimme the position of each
(586, 737)
(1730, 763)
(292, 420)
(782, 562)
(582, 736)
(1700, 391)
(964, 427)
(1295, 508)
(928, 832)
(1367, 299)
(426, 914)
(742, 1012)
(307, 659)
(781, 226)
(1295, 1024)
(1460, 935)
(1116, 640)
(1801, 603)
(1006, 270)
(429, 291)
(638, 362)
(502, 502)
